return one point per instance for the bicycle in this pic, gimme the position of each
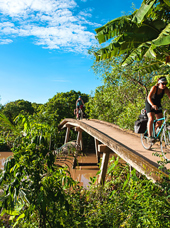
(81, 114)
(162, 134)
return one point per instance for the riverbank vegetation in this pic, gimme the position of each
(36, 191)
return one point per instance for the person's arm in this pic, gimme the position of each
(150, 95)
(83, 102)
(76, 102)
(167, 92)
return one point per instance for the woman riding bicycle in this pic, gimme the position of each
(153, 104)
(79, 104)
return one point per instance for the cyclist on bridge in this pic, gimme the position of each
(79, 104)
(153, 104)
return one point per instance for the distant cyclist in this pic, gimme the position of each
(153, 104)
(79, 104)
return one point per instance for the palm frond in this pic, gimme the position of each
(136, 54)
(142, 11)
(148, 68)
(124, 43)
(131, 39)
(6, 123)
(114, 28)
(145, 33)
(167, 2)
(163, 38)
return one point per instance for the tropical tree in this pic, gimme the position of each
(144, 33)
(8, 132)
(34, 187)
(33, 183)
(12, 109)
(62, 105)
(124, 90)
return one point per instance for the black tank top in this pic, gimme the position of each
(156, 99)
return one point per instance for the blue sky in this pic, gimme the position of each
(44, 44)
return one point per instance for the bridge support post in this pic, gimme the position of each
(67, 134)
(96, 149)
(79, 138)
(106, 152)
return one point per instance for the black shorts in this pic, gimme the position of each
(150, 109)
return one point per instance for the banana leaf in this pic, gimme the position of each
(167, 2)
(142, 11)
(163, 38)
(114, 28)
(149, 68)
(136, 54)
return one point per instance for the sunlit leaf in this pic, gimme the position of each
(163, 38)
(142, 11)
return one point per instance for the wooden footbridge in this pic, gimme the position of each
(110, 138)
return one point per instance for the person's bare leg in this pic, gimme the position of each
(77, 111)
(158, 123)
(150, 123)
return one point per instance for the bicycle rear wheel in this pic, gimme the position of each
(144, 140)
(165, 144)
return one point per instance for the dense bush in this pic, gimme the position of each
(38, 194)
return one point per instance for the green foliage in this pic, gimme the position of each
(16, 117)
(129, 114)
(12, 109)
(127, 201)
(37, 193)
(8, 131)
(33, 184)
(123, 93)
(144, 33)
(62, 105)
(3, 145)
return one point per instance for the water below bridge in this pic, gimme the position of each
(80, 173)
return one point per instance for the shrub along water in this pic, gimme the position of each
(39, 194)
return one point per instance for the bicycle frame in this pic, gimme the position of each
(161, 128)
(80, 113)
(163, 135)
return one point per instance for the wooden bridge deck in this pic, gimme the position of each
(126, 145)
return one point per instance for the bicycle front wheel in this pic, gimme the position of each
(144, 140)
(165, 144)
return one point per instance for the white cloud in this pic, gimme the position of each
(25, 7)
(5, 41)
(51, 22)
